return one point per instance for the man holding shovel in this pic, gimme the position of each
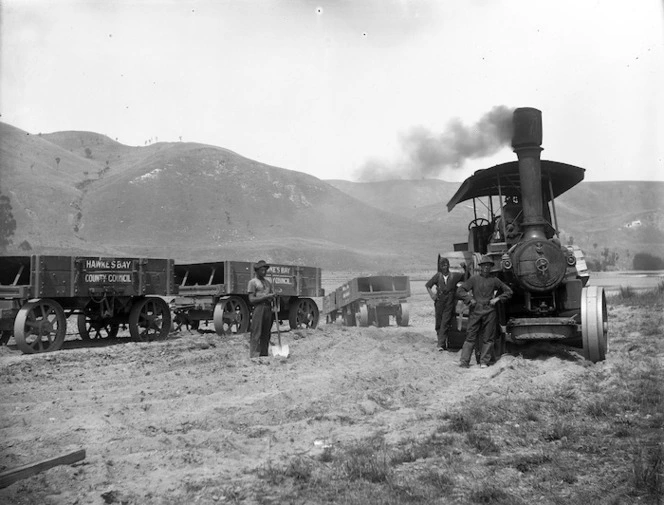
(261, 296)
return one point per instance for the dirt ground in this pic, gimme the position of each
(189, 419)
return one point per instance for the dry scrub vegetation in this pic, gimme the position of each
(354, 416)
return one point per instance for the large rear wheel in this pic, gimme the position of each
(149, 319)
(40, 326)
(231, 316)
(303, 313)
(594, 323)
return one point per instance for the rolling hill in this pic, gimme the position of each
(83, 193)
(625, 217)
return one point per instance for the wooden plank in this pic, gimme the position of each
(8, 477)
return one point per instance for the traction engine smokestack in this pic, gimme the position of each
(527, 144)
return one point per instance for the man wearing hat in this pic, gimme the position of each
(261, 296)
(444, 299)
(481, 293)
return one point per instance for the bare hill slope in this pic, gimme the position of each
(193, 202)
(624, 216)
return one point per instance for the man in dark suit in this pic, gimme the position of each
(444, 298)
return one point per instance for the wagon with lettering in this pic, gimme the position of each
(369, 300)
(38, 294)
(217, 292)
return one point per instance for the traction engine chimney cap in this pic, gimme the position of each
(527, 127)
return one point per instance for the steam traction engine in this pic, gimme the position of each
(552, 300)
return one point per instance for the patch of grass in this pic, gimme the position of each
(299, 469)
(272, 474)
(648, 469)
(460, 422)
(436, 480)
(559, 429)
(482, 442)
(492, 494)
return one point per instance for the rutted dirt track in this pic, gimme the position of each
(181, 420)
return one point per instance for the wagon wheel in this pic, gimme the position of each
(149, 319)
(594, 323)
(362, 315)
(402, 314)
(231, 316)
(348, 317)
(40, 326)
(5, 335)
(100, 328)
(331, 318)
(303, 314)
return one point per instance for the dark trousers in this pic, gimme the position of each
(481, 330)
(444, 311)
(261, 324)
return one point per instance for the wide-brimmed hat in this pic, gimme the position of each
(485, 260)
(261, 264)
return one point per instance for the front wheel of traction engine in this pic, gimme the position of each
(149, 319)
(594, 323)
(303, 313)
(40, 326)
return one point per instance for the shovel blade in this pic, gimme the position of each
(280, 350)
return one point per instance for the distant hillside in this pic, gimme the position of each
(625, 217)
(84, 193)
(80, 192)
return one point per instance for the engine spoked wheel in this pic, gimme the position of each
(149, 319)
(594, 323)
(40, 326)
(94, 329)
(403, 314)
(303, 314)
(231, 316)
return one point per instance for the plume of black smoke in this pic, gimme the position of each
(427, 154)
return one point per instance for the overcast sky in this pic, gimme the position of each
(346, 89)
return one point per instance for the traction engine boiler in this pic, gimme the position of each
(552, 300)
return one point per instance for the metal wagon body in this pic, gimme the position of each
(39, 292)
(217, 292)
(369, 300)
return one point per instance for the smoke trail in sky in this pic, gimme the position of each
(427, 154)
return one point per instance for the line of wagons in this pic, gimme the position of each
(150, 296)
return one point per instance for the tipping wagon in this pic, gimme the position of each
(369, 300)
(38, 293)
(217, 292)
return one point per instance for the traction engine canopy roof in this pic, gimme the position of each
(486, 182)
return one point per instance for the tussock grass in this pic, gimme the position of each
(593, 438)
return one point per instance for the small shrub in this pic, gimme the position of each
(626, 292)
(272, 474)
(299, 469)
(648, 468)
(527, 462)
(436, 479)
(559, 430)
(372, 468)
(460, 423)
(492, 494)
(483, 443)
